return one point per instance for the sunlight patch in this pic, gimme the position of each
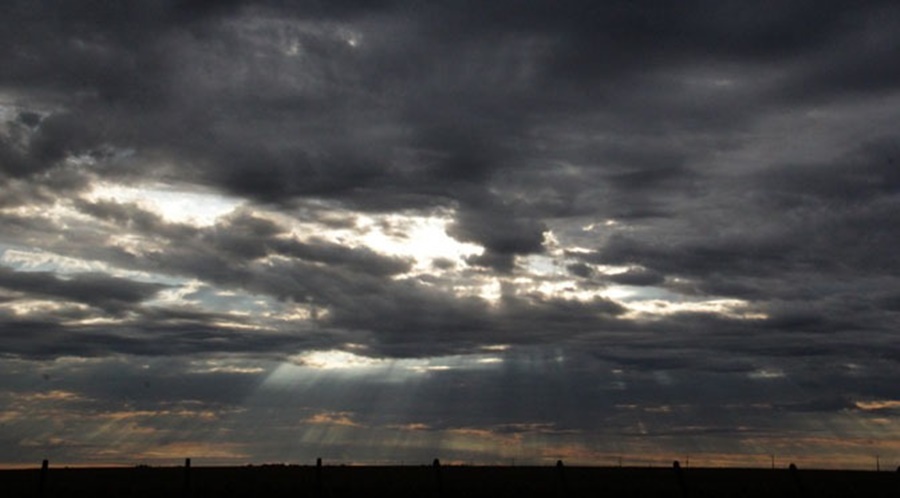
(57, 395)
(40, 260)
(565, 289)
(226, 367)
(178, 295)
(136, 245)
(423, 238)
(59, 213)
(888, 404)
(488, 289)
(95, 321)
(209, 450)
(543, 265)
(729, 308)
(346, 364)
(332, 418)
(335, 360)
(196, 208)
(43, 307)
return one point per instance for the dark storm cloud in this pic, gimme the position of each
(130, 216)
(407, 318)
(398, 318)
(237, 239)
(217, 92)
(819, 405)
(580, 270)
(99, 290)
(501, 231)
(49, 339)
(357, 259)
(212, 93)
(154, 333)
(734, 154)
(74, 47)
(815, 220)
(432, 129)
(146, 383)
(862, 175)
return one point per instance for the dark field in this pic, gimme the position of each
(448, 481)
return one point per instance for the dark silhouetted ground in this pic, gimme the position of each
(449, 481)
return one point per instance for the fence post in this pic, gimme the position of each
(42, 480)
(679, 475)
(563, 488)
(320, 487)
(795, 475)
(187, 477)
(438, 479)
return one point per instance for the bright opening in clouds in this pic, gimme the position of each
(246, 232)
(172, 205)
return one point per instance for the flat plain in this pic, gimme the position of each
(271, 481)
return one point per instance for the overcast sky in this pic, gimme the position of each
(389, 231)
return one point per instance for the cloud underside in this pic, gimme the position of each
(698, 190)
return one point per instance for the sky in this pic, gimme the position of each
(495, 232)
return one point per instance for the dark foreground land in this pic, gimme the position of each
(443, 482)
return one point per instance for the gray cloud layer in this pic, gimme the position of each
(713, 152)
